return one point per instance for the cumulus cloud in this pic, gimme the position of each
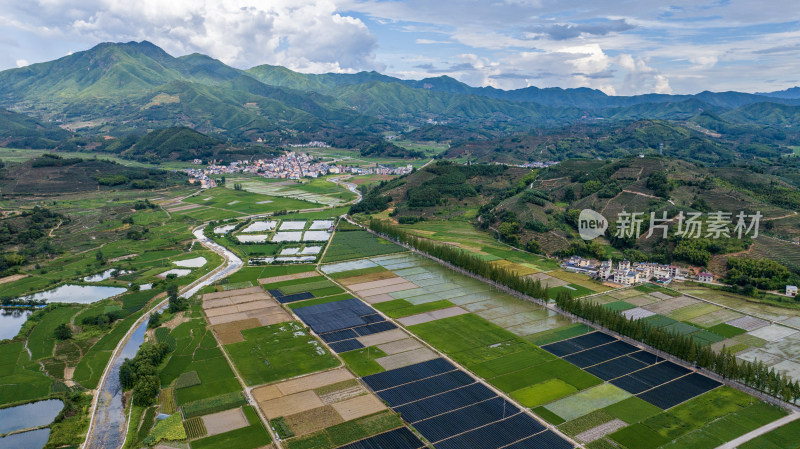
(641, 77)
(22, 63)
(306, 35)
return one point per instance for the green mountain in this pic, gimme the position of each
(129, 88)
(119, 88)
(21, 131)
(616, 140)
(767, 114)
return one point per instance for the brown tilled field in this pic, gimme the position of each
(314, 419)
(398, 346)
(359, 406)
(232, 332)
(226, 421)
(383, 337)
(288, 277)
(367, 278)
(420, 355)
(291, 404)
(231, 293)
(314, 381)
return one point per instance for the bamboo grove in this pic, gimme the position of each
(753, 374)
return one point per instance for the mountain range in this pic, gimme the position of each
(119, 89)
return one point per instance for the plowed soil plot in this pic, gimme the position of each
(314, 381)
(232, 332)
(359, 406)
(406, 358)
(230, 293)
(291, 404)
(313, 420)
(224, 421)
(368, 278)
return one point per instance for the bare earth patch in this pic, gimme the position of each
(12, 278)
(359, 406)
(367, 278)
(291, 404)
(343, 394)
(230, 293)
(396, 347)
(600, 431)
(383, 337)
(288, 277)
(313, 420)
(226, 421)
(420, 355)
(315, 381)
(183, 207)
(232, 332)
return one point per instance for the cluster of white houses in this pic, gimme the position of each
(632, 273)
(627, 272)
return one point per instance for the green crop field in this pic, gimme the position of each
(362, 361)
(20, 379)
(784, 437)
(400, 307)
(41, 340)
(244, 203)
(543, 392)
(347, 245)
(277, 352)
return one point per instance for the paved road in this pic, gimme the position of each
(760, 431)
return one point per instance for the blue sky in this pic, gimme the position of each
(621, 47)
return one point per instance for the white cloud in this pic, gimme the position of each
(431, 41)
(306, 35)
(22, 63)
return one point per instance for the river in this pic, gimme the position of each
(109, 424)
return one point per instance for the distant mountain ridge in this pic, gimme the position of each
(123, 88)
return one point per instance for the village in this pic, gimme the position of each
(630, 273)
(289, 165)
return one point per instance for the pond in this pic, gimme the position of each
(26, 416)
(11, 321)
(108, 274)
(81, 294)
(35, 439)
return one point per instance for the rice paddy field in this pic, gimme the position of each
(597, 390)
(753, 331)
